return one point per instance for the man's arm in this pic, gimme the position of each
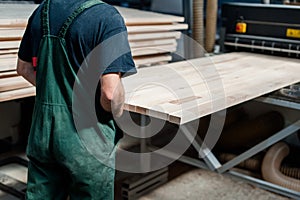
(26, 70)
(112, 93)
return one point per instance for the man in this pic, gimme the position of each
(58, 38)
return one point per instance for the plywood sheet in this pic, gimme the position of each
(8, 51)
(17, 94)
(150, 43)
(147, 60)
(138, 17)
(11, 34)
(8, 74)
(184, 91)
(8, 62)
(14, 15)
(9, 44)
(156, 28)
(13, 83)
(153, 36)
(153, 50)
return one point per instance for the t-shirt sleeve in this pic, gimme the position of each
(124, 64)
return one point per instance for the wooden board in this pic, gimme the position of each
(150, 43)
(8, 56)
(17, 33)
(8, 52)
(154, 36)
(8, 74)
(11, 34)
(8, 62)
(156, 28)
(9, 44)
(138, 17)
(16, 15)
(153, 50)
(184, 91)
(17, 94)
(13, 83)
(148, 60)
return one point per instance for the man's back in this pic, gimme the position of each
(61, 162)
(88, 30)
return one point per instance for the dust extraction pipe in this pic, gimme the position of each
(271, 165)
(211, 24)
(198, 33)
(254, 164)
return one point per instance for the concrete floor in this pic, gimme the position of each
(192, 184)
(196, 184)
(15, 171)
(201, 184)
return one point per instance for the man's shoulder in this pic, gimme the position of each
(107, 10)
(104, 14)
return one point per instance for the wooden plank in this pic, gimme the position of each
(153, 50)
(156, 28)
(9, 44)
(138, 17)
(17, 94)
(148, 60)
(13, 83)
(8, 51)
(153, 36)
(11, 34)
(14, 15)
(8, 62)
(150, 43)
(241, 76)
(8, 74)
(13, 55)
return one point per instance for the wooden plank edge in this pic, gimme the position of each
(17, 94)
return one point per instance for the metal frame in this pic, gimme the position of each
(291, 129)
(212, 163)
(266, 185)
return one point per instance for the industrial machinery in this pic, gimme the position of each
(261, 28)
(265, 29)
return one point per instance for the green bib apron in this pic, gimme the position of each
(60, 165)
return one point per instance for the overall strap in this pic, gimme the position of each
(78, 11)
(45, 18)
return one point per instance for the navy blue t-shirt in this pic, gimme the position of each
(88, 30)
(92, 27)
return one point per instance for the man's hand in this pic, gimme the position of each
(112, 93)
(26, 70)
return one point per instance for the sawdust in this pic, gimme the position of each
(202, 184)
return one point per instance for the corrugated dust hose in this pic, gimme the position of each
(271, 165)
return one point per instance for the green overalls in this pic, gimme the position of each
(60, 164)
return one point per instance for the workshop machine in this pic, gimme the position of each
(263, 28)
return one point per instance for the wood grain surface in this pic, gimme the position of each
(17, 94)
(149, 60)
(13, 83)
(184, 91)
(16, 15)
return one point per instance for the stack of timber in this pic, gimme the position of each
(152, 37)
(13, 20)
